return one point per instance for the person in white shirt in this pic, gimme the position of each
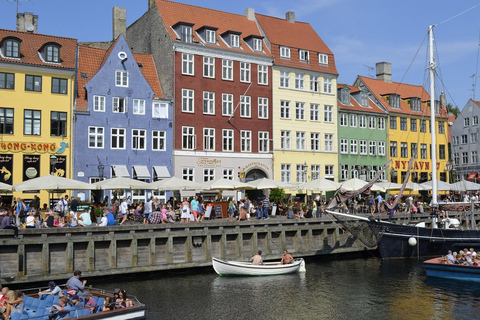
(104, 221)
(124, 210)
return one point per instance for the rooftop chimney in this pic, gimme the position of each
(384, 71)
(150, 4)
(27, 22)
(119, 23)
(290, 16)
(250, 14)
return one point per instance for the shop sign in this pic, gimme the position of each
(417, 165)
(6, 168)
(256, 164)
(28, 146)
(208, 162)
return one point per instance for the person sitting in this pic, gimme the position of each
(61, 310)
(52, 289)
(14, 303)
(7, 223)
(257, 259)
(450, 256)
(110, 218)
(90, 303)
(171, 215)
(109, 305)
(155, 217)
(84, 219)
(286, 258)
(3, 295)
(31, 222)
(122, 300)
(104, 221)
(290, 213)
(76, 285)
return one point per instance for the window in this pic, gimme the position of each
(188, 174)
(395, 101)
(257, 44)
(299, 81)
(119, 105)
(159, 140)
(441, 127)
(329, 172)
(393, 123)
(59, 85)
(315, 171)
(235, 40)
(475, 118)
(187, 100)
(473, 137)
(121, 78)
(304, 55)
(327, 85)
(284, 52)
(33, 83)
(245, 141)
(343, 119)
(466, 122)
(284, 109)
(362, 121)
(314, 112)
(315, 141)
(301, 173)
(95, 137)
(329, 142)
(373, 148)
(187, 64)
(456, 159)
(415, 104)
(228, 173)
(300, 111)
(464, 157)
(208, 102)
(314, 84)
(186, 35)
(354, 171)
(244, 72)
(139, 138)
(209, 139)
(58, 124)
(381, 123)
(404, 150)
(328, 114)
(381, 148)
(372, 121)
(403, 124)
(227, 135)
(423, 126)
(393, 149)
(52, 53)
(118, 138)
(455, 140)
(227, 104)
(413, 125)
(464, 139)
(99, 103)
(285, 140)
(160, 110)
(344, 146)
(423, 151)
(364, 98)
(245, 106)
(284, 79)
(262, 74)
(353, 146)
(344, 172)
(7, 80)
(285, 172)
(441, 151)
(323, 58)
(12, 49)
(263, 141)
(6, 121)
(300, 140)
(209, 67)
(345, 96)
(210, 36)
(262, 108)
(208, 174)
(414, 150)
(363, 147)
(138, 106)
(474, 156)
(353, 120)
(227, 69)
(32, 122)
(188, 138)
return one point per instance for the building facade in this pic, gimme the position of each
(37, 78)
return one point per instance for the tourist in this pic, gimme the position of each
(379, 203)
(246, 208)
(185, 217)
(73, 207)
(31, 222)
(314, 205)
(286, 258)
(201, 210)
(242, 214)
(61, 206)
(147, 210)
(155, 217)
(474, 254)
(21, 212)
(266, 206)
(355, 206)
(290, 213)
(61, 310)
(194, 207)
(450, 257)
(231, 210)
(53, 289)
(172, 217)
(257, 259)
(90, 303)
(13, 304)
(84, 219)
(76, 285)
(371, 204)
(7, 223)
(122, 300)
(110, 218)
(124, 211)
(3, 295)
(108, 304)
(104, 221)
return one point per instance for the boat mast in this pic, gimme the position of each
(431, 67)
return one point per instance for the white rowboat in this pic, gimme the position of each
(239, 268)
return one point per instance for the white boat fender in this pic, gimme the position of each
(302, 267)
(420, 225)
(412, 241)
(451, 223)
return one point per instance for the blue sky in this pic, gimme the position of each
(359, 33)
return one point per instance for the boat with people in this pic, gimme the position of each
(440, 267)
(241, 268)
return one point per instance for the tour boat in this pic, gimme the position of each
(437, 268)
(239, 268)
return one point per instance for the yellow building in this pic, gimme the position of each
(37, 78)
(409, 133)
(304, 103)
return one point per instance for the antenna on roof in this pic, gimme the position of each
(370, 69)
(16, 3)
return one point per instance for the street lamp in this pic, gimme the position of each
(100, 168)
(53, 162)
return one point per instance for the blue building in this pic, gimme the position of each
(122, 123)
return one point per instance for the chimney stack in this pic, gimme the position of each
(250, 14)
(27, 22)
(119, 22)
(151, 4)
(384, 71)
(290, 16)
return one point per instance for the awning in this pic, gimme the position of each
(141, 172)
(472, 176)
(161, 172)
(120, 171)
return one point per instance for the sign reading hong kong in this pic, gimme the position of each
(27, 146)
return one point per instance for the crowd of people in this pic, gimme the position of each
(467, 257)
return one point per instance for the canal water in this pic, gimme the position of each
(360, 288)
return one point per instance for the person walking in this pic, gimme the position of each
(147, 210)
(194, 206)
(266, 205)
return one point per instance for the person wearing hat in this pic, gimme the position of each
(52, 289)
(7, 223)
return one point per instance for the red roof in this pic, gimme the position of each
(32, 43)
(173, 12)
(297, 35)
(354, 105)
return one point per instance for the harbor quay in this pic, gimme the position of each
(53, 254)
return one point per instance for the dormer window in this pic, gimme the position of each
(52, 53)
(415, 104)
(437, 106)
(11, 48)
(345, 96)
(323, 58)
(394, 101)
(234, 40)
(284, 52)
(364, 98)
(257, 44)
(186, 34)
(210, 36)
(304, 56)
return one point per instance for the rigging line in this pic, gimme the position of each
(476, 67)
(414, 57)
(457, 15)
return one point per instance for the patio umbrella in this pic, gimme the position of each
(5, 187)
(319, 184)
(51, 182)
(441, 185)
(416, 187)
(355, 184)
(225, 184)
(269, 184)
(464, 185)
(122, 183)
(177, 184)
(389, 185)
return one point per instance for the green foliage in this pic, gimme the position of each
(453, 110)
(277, 195)
(99, 212)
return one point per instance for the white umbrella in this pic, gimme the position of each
(464, 185)
(269, 184)
(5, 187)
(441, 185)
(319, 184)
(355, 184)
(416, 187)
(389, 185)
(122, 183)
(51, 182)
(177, 184)
(225, 184)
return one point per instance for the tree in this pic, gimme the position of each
(454, 110)
(277, 195)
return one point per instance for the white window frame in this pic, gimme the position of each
(227, 104)
(372, 148)
(188, 173)
(329, 172)
(323, 59)
(304, 55)
(159, 110)
(353, 146)
(327, 85)
(186, 34)
(139, 139)
(362, 121)
(284, 109)
(228, 140)
(227, 70)
(245, 106)
(208, 174)
(286, 172)
(329, 142)
(301, 172)
(262, 74)
(262, 108)
(363, 147)
(263, 141)
(121, 78)
(381, 148)
(328, 114)
(299, 110)
(315, 141)
(381, 123)
(210, 36)
(314, 84)
(116, 105)
(285, 140)
(344, 146)
(188, 61)
(209, 67)
(99, 137)
(245, 141)
(284, 52)
(208, 102)
(315, 171)
(188, 138)
(159, 138)
(372, 122)
(99, 103)
(228, 173)
(118, 135)
(314, 112)
(353, 120)
(284, 79)
(300, 140)
(139, 106)
(257, 45)
(245, 72)
(188, 100)
(299, 81)
(234, 41)
(209, 139)
(343, 119)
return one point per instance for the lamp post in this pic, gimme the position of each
(53, 162)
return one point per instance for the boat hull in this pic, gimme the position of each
(434, 268)
(236, 268)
